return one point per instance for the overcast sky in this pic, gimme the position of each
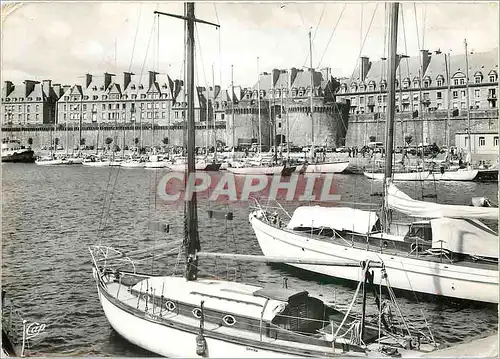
(64, 40)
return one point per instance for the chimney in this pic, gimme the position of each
(9, 87)
(127, 77)
(65, 89)
(276, 75)
(107, 80)
(152, 78)
(88, 80)
(293, 75)
(57, 89)
(364, 67)
(426, 59)
(29, 86)
(46, 87)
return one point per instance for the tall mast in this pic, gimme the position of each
(467, 99)
(312, 87)
(258, 105)
(448, 81)
(191, 214)
(232, 105)
(192, 243)
(214, 96)
(288, 92)
(389, 134)
(207, 141)
(391, 92)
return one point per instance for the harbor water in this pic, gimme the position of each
(51, 215)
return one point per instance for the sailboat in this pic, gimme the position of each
(461, 174)
(314, 166)
(447, 252)
(193, 317)
(259, 165)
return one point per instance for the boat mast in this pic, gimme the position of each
(447, 66)
(192, 243)
(258, 105)
(311, 94)
(232, 106)
(288, 92)
(214, 96)
(467, 100)
(391, 91)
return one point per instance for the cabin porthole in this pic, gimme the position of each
(385, 244)
(229, 320)
(197, 313)
(170, 306)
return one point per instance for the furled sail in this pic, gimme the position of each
(401, 202)
(337, 218)
(464, 236)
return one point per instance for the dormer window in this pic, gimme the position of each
(104, 97)
(94, 88)
(294, 92)
(371, 86)
(493, 76)
(440, 80)
(478, 77)
(164, 86)
(39, 99)
(143, 96)
(66, 98)
(416, 83)
(362, 87)
(141, 87)
(427, 82)
(132, 87)
(406, 83)
(101, 88)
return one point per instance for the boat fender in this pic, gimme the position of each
(201, 345)
(393, 352)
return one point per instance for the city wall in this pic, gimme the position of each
(432, 126)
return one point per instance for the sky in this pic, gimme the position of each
(63, 41)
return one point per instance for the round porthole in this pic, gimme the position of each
(229, 320)
(197, 312)
(170, 306)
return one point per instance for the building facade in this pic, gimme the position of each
(483, 145)
(431, 95)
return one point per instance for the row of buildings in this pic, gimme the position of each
(431, 88)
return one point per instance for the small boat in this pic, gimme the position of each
(50, 160)
(96, 162)
(155, 161)
(12, 151)
(326, 167)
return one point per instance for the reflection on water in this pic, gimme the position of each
(52, 214)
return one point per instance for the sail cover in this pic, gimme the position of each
(401, 202)
(464, 236)
(337, 218)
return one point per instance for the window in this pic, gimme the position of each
(28, 108)
(85, 116)
(36, 116)
(492, 78)
(150, 115)
(462, 93)
(462, 106)
(482, 141)
(163, 115)
(455, 94)
(170, 306)
(439, 95)
(439, 105)
(84, 107)
(427, 83)
(104, 106)
(64, 107)
(361, 100)
(426, 95)
(455, 105)
(455, 82)
(109, 106)
(117, 106)
(124, 106)
(462, 81)
(477, 79)
(492, 93)
(495, 141)
(164, 105)
(476, 93)
(222, 116)
(149, 105)
(439, 82)
(176, 114)
(478, 104)
(37, 108)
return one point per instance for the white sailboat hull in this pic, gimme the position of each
(172, 342)
(460, 175)
(96, 164)
(445, 279)
(332, 167)
(132, 164)
(154, 165)
(265, 170)
(51, 162)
